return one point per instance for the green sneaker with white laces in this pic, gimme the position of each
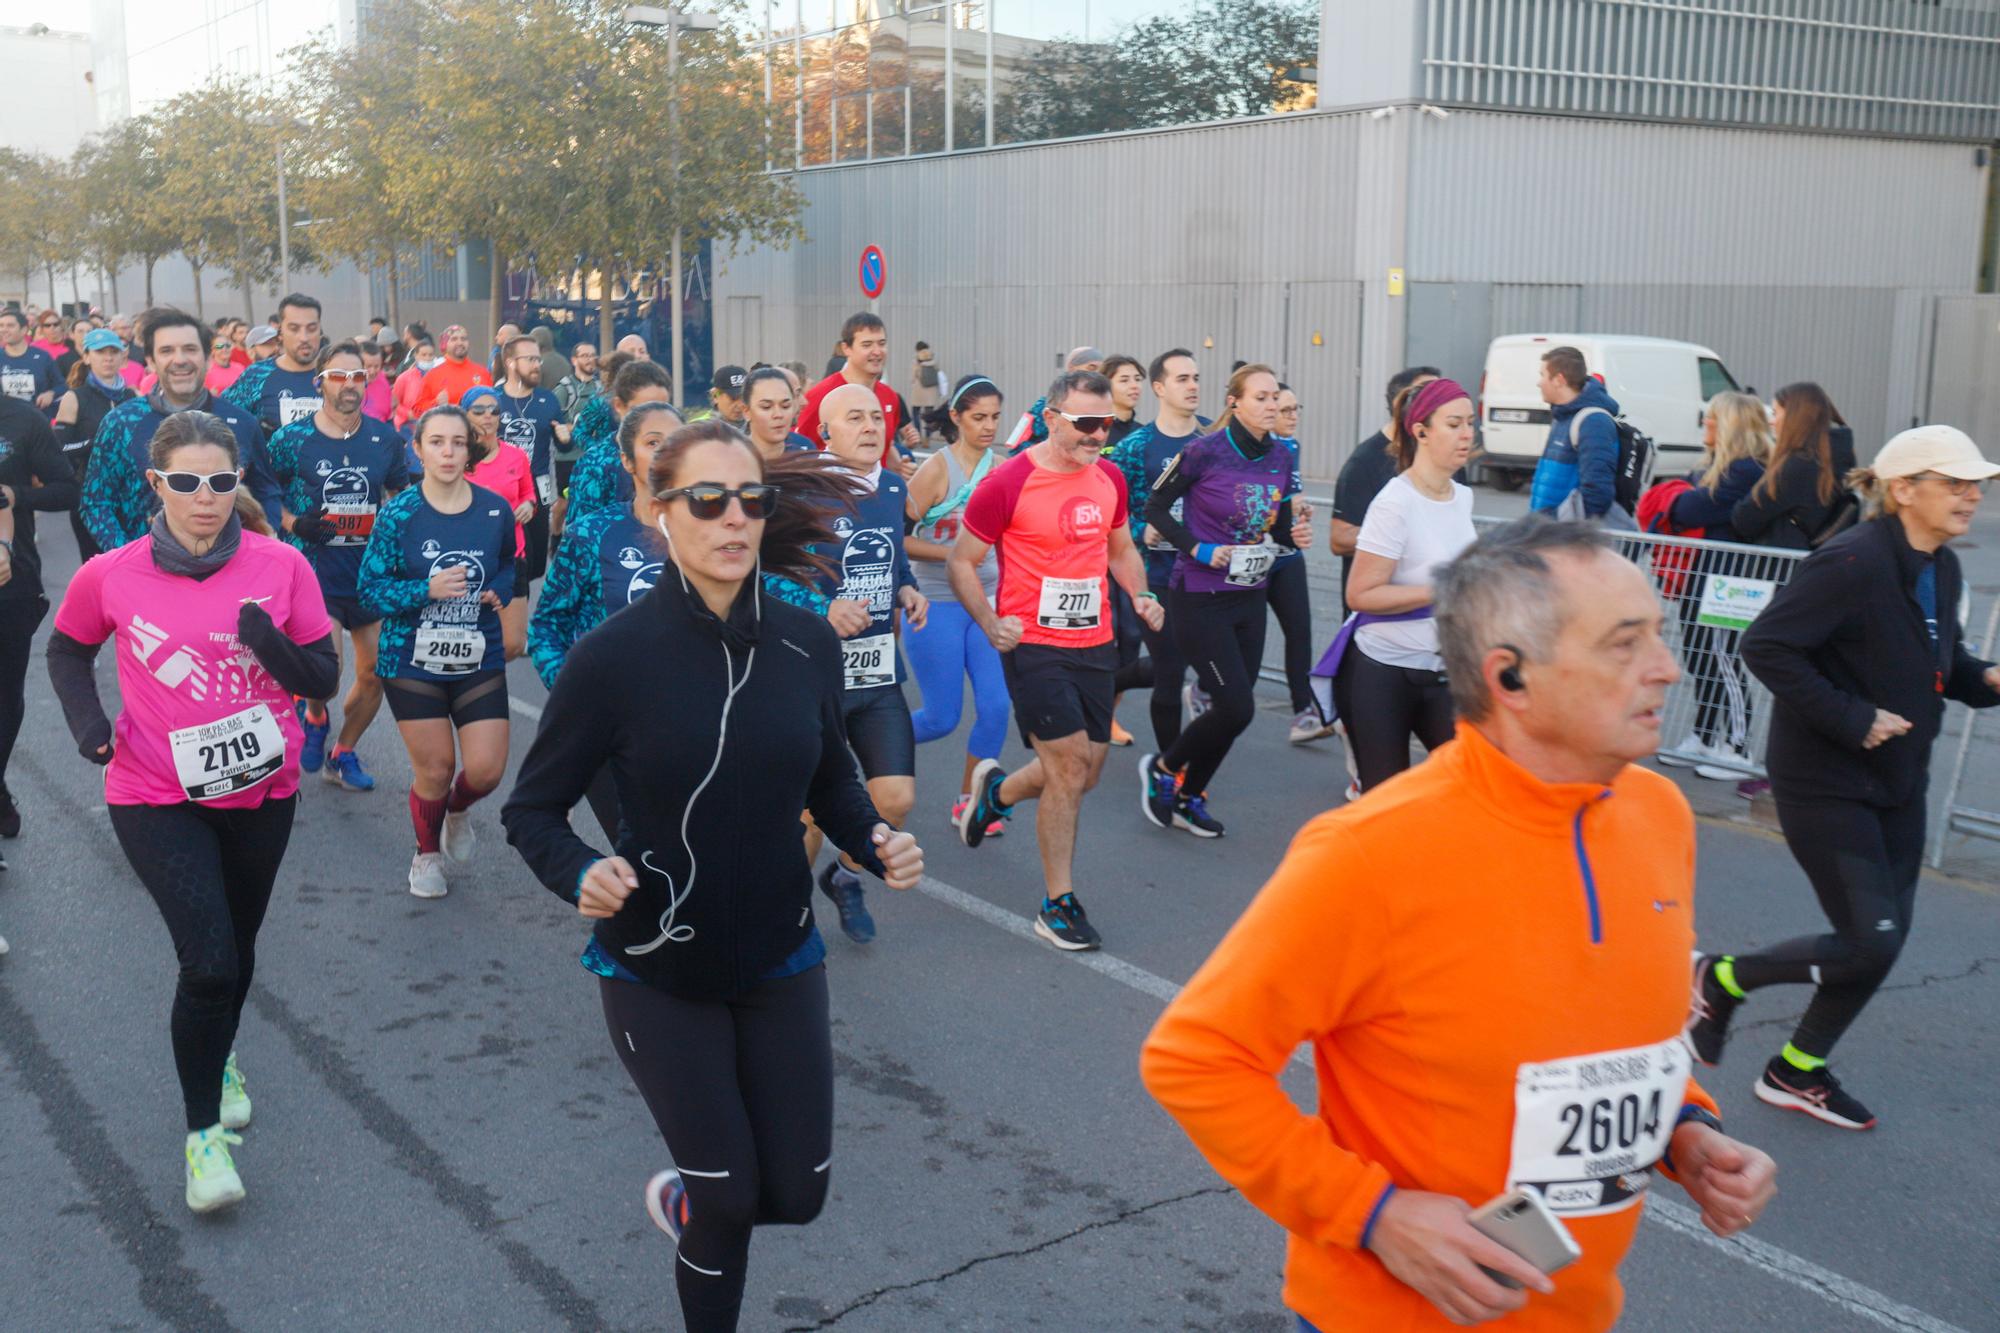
(212, 1182)
(235, 1096)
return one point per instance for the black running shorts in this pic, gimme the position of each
(1058, 692)
(880, 732)
(479, 697)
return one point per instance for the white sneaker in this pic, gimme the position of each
(1353, 790)
(235, 1096)
(3, 944)
(1717, 773)
(1689, 750)
(458, 836)
(1194, 699)
(427, 875)
(212, 1181)
(1309, 726)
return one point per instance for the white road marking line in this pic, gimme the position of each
(532, 712)
(1853, 1297)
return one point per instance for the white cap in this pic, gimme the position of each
(1945, 450)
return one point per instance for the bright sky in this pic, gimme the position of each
(63, 15)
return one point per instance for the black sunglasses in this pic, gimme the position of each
(706, 500)
(187, 483)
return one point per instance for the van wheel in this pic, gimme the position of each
(1504, 479)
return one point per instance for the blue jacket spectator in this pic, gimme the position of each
(1590, 463)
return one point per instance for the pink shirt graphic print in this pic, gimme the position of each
(202, 719)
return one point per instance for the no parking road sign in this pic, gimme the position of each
(874, 272)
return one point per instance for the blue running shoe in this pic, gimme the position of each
(845, 890)
(1191, 813)
(980, 813)
(313, 755)
(343, 769)
(1158, 792)
(667, 1203)
(1062, 923)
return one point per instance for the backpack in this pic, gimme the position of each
(927, 375)
(1671, 564)
(1634, 468)
(1844, 514)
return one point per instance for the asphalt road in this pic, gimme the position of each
(444, 1134)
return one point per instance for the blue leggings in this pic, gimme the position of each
(950, 647)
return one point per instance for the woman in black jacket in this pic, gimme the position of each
(1796, 496)
(711, 971)
(1860, 650)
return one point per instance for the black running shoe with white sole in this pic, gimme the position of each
(1816, 1092)
(1709, 1015)
(1191, 813)
(1062, 923)
(984, 807)
(1157, 792)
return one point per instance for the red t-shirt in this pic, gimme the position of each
(809, 419)
(453, 377)
(1052, 530)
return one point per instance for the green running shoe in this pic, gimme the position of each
(212, 1182)
(235, 1096)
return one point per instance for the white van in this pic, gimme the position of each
(1662, 386)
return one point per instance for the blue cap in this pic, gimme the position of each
(99, 339)
(477, 392)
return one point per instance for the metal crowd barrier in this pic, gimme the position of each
(1712, 590)
(1954, 817)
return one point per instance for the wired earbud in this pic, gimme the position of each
(1510, 676)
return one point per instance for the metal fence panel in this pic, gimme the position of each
(1717, 714)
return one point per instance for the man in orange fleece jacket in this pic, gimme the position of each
(1489, 955)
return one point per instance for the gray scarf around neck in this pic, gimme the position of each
(173, 558)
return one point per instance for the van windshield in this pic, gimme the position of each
(1714, 378)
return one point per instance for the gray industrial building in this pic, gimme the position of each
(1803, 185)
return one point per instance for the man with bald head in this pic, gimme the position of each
(633, 346)
(871, 582)
(1032, 428)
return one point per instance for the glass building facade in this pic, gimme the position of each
(865, 80)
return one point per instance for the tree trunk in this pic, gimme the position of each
(198, 314)
(150, 261)
(113, 278)
(51, 269)
(496, 276)
(607, 314)
(395, 296)
(243, 276)
(75, 287)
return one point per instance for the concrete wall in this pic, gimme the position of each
(1793, 255)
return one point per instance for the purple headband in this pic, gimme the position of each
(1428, 400)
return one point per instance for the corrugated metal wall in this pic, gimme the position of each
(1964, 387)
(1925, 70)
(1237, 241)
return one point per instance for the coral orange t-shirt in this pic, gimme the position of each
(1052, 532)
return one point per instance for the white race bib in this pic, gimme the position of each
(449, 650)
(1071, 604)
(217, 758)
(1588, 1130)
(17, 383)
(291, 409)
(1250, 565)
(869, 662)
(545, 489)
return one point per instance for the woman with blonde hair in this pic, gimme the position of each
(1737, 435)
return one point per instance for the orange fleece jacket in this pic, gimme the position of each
(1464, 920)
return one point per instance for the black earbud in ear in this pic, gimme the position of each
(1510, 676)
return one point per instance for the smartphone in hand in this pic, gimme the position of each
(1520, 1221)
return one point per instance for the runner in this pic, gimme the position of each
(951, 649)
(1387, 669)
(447, 382)
(284, 389)
(1057, 514)
(865, 342)
(27, 373)
(531, 421)
(772, 405)
(409, 390)
(1859, 650)
(216, 628)
(334, 469)
(438, 568)
(1291, 600)
(97, 385)
(1237, 486)
(377, 399)
(1135, 670)
(261, 343)
(34, 475)
(118, 503)
(727, 397)
(580, 387)
(1451, 1068)
(1141, 456)
(869, 582)
(1127, 378)
(607, 560)
(710, 970)
(600, 480)
(504, 470)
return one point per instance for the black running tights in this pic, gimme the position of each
(1383, 706)
(19, 618)
(1863, 862)
(210, 872)
(1221, 635)
(1291, 603)
(742, 1090)
(1169, 673)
